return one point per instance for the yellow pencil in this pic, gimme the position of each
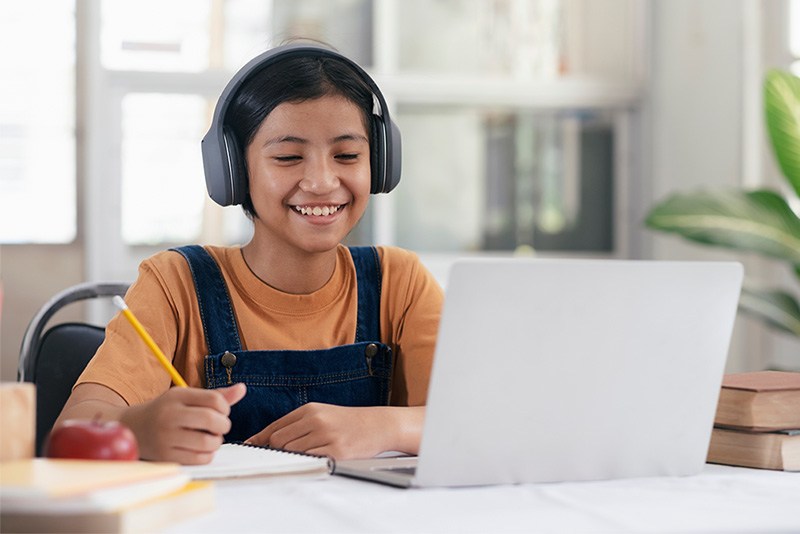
(176, 377)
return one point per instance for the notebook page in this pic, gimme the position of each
(234, 460)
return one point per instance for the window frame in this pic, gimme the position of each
(108, 257)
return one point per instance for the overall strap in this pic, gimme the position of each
(368, 276)
(216, 310)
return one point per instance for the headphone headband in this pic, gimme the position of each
(223, 158)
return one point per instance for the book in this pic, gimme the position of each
(19, 406)
(32, 480)
(761, 400)
(237, 460)
(779, 450)
(79, 481)
(59, 495)
(153, 514)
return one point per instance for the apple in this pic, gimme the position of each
(92, 440)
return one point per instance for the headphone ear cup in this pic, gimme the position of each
(377, 156)
(386, 155)
(393, 158)
(237, 167)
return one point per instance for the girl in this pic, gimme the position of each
(292, 340)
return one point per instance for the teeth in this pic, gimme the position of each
(317, 211)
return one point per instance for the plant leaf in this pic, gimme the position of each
(756, 221)
(782, 107)
(777, 308)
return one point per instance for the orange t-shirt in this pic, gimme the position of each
(163, 298)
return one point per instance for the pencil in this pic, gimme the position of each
(176, 377)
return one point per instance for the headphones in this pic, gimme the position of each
(224, 161)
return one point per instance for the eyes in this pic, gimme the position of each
(347, 157)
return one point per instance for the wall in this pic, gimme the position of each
(30, 275)
(696, 115)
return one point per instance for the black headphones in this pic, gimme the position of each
(223, 159)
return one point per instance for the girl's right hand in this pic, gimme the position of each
(184, 425)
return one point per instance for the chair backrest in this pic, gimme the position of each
(53, 359)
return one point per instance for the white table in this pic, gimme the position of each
(720, 499)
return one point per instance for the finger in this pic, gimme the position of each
(207, 398)
(258, 439)
(326, 450)
(186, 446)
(268, 436)
(205, 420)
(189, 456)
(307, 442)
(234, 393)
(196, 442)
(282, 437)
(261, 438)
(264, 437)
(192, 458)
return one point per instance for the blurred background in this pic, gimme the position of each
(545, 127)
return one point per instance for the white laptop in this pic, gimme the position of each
(568, 370)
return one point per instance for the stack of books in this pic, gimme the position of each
(757, 423)
(54, 495)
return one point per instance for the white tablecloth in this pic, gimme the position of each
(721, 499)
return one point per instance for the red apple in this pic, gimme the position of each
(92, 440)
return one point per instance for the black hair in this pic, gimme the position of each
(295, 79)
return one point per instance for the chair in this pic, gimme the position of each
(54, 359)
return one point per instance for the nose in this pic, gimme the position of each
(319, 176)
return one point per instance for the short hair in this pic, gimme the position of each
(294, 79)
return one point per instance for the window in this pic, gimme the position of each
(506, 180)
(794, 35)
(37, 122)
(515, 118)
(161, 169)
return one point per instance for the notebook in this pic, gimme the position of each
(238, 460)
(571, 370)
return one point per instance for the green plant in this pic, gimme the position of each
(759, 221)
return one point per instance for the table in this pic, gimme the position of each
(720, 499)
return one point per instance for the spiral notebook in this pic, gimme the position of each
(240, 460)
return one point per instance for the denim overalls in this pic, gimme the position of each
(278, 381)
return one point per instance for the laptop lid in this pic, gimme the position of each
(564, 370)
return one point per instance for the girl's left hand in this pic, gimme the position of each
(344, 432)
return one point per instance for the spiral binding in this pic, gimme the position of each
(331, 461)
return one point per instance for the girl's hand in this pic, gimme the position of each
(184, 425)
(343, 432)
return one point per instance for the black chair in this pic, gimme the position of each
(53, 359)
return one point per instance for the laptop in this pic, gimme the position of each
(570, 370)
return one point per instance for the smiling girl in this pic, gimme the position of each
(292, 340)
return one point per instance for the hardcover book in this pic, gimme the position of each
(761, 400)
(778, 450)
